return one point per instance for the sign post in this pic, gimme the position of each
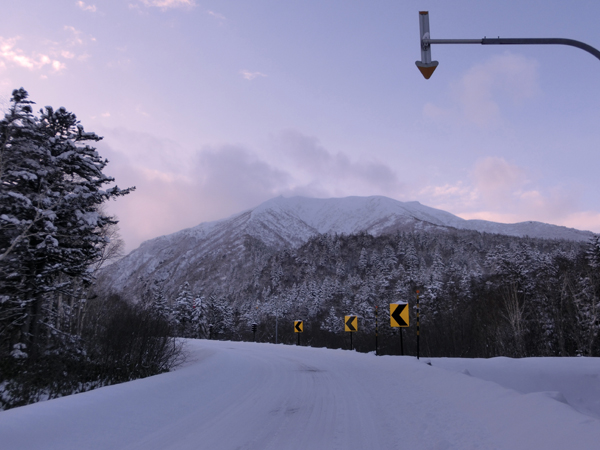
(418, 319)
(298, 328)
(351, 325)
(426, 66)
(399, 318)
(254, 327)
(376, 343)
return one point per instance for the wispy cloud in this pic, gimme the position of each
(318, 171)
(77, 37)
(85, 7)
(501, 191)
(168, 4)
(225, 179)
(477, 96)
(216, 15)
(251, 75)
(10, 54)
(140, 110)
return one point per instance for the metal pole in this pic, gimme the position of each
(298, 339)
(418, 324)
(351, 347)
(376, 333)
(401, 342)
(425, 37)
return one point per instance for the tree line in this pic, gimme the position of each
(481, 295)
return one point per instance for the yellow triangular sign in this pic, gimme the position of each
(426, 68)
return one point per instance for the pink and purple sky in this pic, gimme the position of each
(212, 107)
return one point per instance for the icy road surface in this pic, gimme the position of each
(236, 395)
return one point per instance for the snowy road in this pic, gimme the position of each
(233, 395)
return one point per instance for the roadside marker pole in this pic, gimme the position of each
(351, 325)
(376, 343)
(418, 324)
(298, 328)
(401, 343)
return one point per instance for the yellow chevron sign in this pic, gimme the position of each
(399, 314)
(351, 323)
(298, 326)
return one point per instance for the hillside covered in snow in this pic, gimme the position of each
(290, 222)
(481, 294)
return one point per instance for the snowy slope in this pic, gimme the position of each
(575, 381)
(234, 395)
(282, 222)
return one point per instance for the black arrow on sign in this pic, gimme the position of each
(396, 315)
(349, 323)
(298, 325)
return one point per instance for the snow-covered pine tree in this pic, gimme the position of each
(332, 323)
(159, 306)
(184, 310)
(363, 260)
(51, 189)
(200, 317)
(220, 317)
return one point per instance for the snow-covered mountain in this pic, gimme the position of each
(289, 222)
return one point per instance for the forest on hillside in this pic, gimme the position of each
(481, 295)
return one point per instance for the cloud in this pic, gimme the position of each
(501, 191)
(217, 182)
(179, 188)
(216, 15)
(478, 95)
(236, 179)
(495, 176)
(11, 55)
(141, 111)
(583, 220)
(251, 75)
(47, 55)
(77, 38)
(84, 7)
(334, 173)
(168, 4)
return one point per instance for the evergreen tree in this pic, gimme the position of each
(51, 223)
(199, 317)
(184, 311)
(332, 323)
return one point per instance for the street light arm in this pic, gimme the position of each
(426, 66)
(542, 41)
(517, 41)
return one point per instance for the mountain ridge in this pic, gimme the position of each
(289, 222)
